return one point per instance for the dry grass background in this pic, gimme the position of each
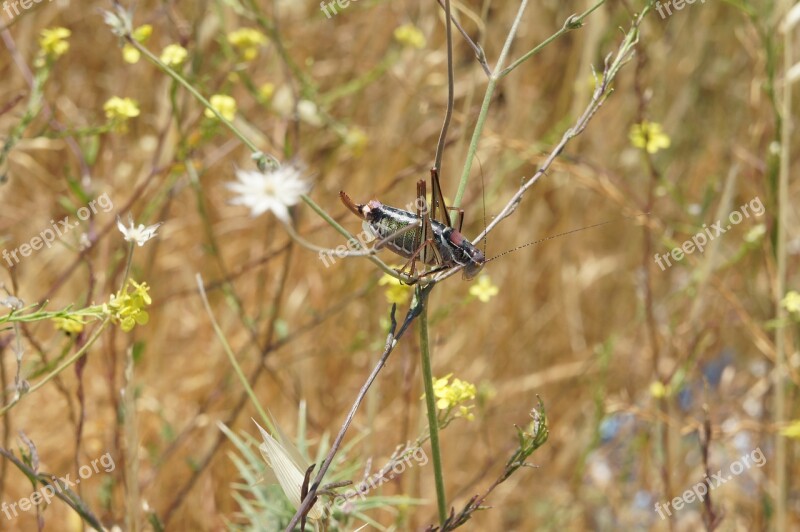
(570, 322)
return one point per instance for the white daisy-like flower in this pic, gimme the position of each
(271, 190)
(289, 468)
(140, 234)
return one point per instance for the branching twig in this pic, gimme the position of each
(528, 443)
(601, 92)
(57, 486)
(391, 342)
(480, 55)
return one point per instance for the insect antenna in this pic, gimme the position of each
(483, 198)
(551, 237)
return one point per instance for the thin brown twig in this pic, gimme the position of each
(391, 342)
(480, 55)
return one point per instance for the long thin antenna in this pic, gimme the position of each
(483, 198)
(566, 233)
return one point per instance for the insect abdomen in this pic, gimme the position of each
(387, 221)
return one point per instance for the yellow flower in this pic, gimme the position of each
(53, 42)
(449, 395)
(659, 390)
(127, 307)
(356, 140)
(69, 324)
(397, 292)
(142, 33)
(649, 136)
(174, 55)
(120, 110)
(225, 105)
(409, 35)
(247, 41)
(484, 289)
(791, 302)
(129, 53)
(266, 91)
(792, 430)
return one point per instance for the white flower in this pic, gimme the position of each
(290, 473)
(140, 234)
(271, 190)
(120, 20)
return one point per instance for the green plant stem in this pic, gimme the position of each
(127, 267)
(573, 22)
(82, 351)
(781, 333)
(232, 358)
(311, 203)
(430, 403)
(194, 92)
(487, 99)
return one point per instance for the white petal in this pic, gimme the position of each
(793, 74)
(792, 18)
(290, 477)
(273, 190)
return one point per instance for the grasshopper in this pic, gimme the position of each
(419, 235)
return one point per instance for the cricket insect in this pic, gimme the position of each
(420, 236)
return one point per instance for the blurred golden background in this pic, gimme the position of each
(629, 359)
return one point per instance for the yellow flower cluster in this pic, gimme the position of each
(69, 324)
(659, 390)
(247, 41)
(484, 289)
(649, 136)
(791, 302)
(397, 292)
(792, 430)
(224, 105)
(449, 395)
(129, 53)
(121, 109)
(266, 91)
(356, 139)
(174, 55)
(53, 42)
(127, 307)
(409, 35)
